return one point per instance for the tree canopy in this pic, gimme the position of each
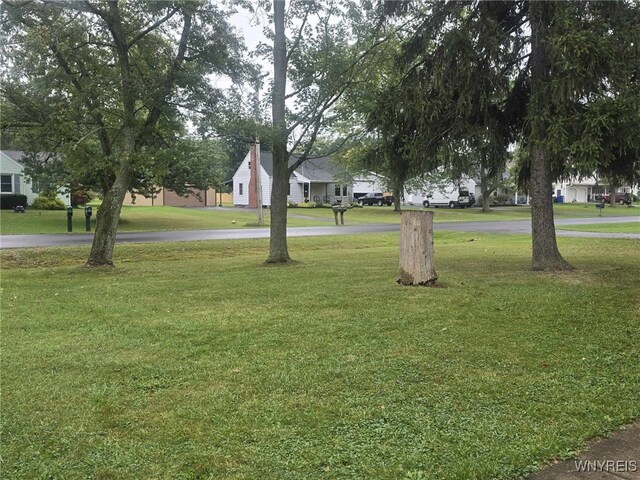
(107, 85)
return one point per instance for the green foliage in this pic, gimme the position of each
(11, 200)
(63, 92)
(47, 171)
(48, 202)
(192, 164)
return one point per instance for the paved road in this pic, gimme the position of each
(517, 227)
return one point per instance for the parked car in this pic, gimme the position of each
(376, 199)
(620, 199)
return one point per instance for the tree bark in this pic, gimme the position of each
(397, 204)
(417, 265)
(545, 253)
(613, 188)
(278, 249)
(485, 190)
(107, 218)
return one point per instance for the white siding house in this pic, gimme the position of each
(314, 180)
(584, 190)
(241, 182)
(13, 179)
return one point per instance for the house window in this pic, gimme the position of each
(240, 189)
(35, 187)
(249, 163)
(6, 184)
(337, 191)
(344, 190)
(289, 189)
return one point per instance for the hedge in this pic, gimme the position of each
(12, 200)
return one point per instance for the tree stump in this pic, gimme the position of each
(417, 265)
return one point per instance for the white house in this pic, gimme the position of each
(12, 177)
(584, 190)
(315, 180)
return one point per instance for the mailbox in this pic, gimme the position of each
(339, 209)
(69, 219)
(88, 211)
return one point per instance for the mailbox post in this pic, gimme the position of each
(600, 206)
(88, 211)
(339, 209)
(69, 219)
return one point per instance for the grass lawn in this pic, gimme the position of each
(626, 227)
(133, 219)
(148, 219)
(376, 214)
(195, 360)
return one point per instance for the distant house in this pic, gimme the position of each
(13, 179)
(584, 190)
(167, 197)
(316, 180)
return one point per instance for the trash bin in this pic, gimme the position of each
(560, 199)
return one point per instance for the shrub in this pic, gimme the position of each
(48, 203)
(501, 200)
(81, 196)
(307, 205)
(12, 200)
(292, 204)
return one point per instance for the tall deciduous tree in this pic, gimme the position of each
(104, 82)
(317, 58)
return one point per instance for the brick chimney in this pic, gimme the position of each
(253, 195)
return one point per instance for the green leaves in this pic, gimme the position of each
(66, 91)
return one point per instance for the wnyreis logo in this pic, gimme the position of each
(612, 466)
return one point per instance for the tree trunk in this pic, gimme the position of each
(278, 250)
(545, 253)
(397, 203)
(107, 218)
(417, 265)
(485, 190)
(486, 201)
(613, 188)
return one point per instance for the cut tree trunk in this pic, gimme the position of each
(417, 266)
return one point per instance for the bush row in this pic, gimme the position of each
(12, 200)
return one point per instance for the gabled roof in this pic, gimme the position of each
(17, 156)
(315, 169)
